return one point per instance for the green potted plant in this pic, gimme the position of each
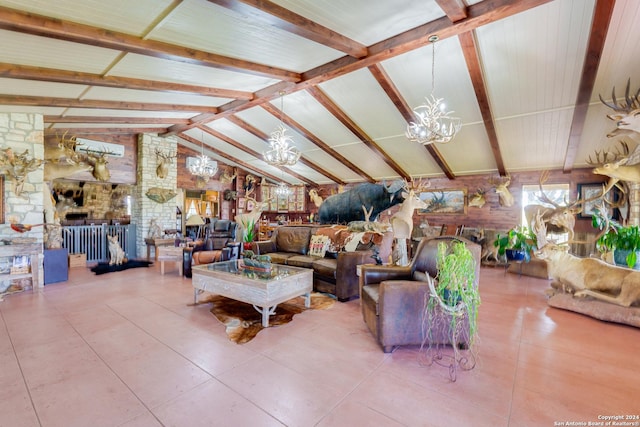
(517, 244)
(248, 233)
(455, 284)
(623, 241)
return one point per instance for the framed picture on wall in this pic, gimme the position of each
(444, 202)
(586, 191)
(241, 203)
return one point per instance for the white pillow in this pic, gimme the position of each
(318, 245)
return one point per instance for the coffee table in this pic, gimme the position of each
(264, 290)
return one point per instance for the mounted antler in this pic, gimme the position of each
(99, 162)
(164, 160)
(616, 169)
(501, 187)
(17, 166)
(629, 120)
(559, 218)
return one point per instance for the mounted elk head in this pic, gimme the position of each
(17, 166)
(478, 198)
(558, 218)
(99, 163)
(501, 187)
(164, 160)
(627, 115)
(614, 165)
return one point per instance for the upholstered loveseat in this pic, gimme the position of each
(334, 271)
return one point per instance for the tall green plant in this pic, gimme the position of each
(456, 275)
(248, 230)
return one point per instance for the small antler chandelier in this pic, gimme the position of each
(203, 168)
(282, 152)
(434, 123)
(283, 190)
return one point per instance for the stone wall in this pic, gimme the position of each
(20, 132)
(144, 209)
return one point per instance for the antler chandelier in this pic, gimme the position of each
(283, 190)
(282, 152)
(434, 123)
(203, 167)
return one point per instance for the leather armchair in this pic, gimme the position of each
(392, 298)
(215, 249)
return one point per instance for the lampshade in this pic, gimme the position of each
(194, 220)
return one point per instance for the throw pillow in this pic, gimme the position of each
(319, 245)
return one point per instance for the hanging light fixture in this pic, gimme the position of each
(281, 152)
(203, 168)
(283, 190)
(434, 123)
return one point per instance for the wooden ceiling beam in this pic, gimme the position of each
(29, 23)
(230, 158)
(264, 137)
(46, 101)
(76, 77)
(599, 27)
(474, 65)
(346, 121)
(270, 13)
(456, 10)
(318, 142)
(105, 131)
(398, 100)
(119, 120)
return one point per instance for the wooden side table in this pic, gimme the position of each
(169, 254)
(154, 242)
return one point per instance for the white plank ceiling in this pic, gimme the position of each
(342, 71)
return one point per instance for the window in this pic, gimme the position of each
(558, 193)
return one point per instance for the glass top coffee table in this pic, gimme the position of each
(263, 289)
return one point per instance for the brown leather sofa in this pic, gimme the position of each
(392, 298)
(335, 273)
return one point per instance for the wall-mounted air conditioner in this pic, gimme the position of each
(90, 146)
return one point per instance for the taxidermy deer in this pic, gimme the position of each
(587, 277)
(315, 197)
(17, 166)
(478, 198)
(501, 187)
(628, 112)
(99, 163)
(616, 168)
(226, 178)
(402, 220)
(164, 160)
(557, 218)
(66, 150)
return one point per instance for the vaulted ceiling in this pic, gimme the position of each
(523, 75)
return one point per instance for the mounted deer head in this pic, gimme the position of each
(99, 163)
(614, 165)
(628, 112)
(478, 198)
(226, 178)
(315, 197)
(501, 187)
(65, 150)
(164, 160)
(17, 166)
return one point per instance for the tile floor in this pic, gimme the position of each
(126, 349)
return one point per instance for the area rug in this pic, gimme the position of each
(104, 267)
(243, 322)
